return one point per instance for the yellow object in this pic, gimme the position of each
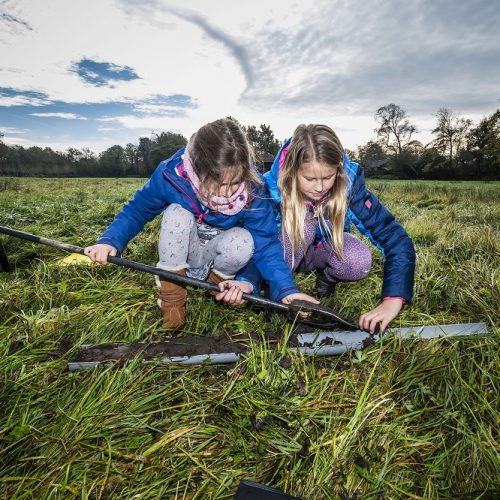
(74, 258)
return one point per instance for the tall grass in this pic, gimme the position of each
(398, 420)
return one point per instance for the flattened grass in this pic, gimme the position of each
(398, 420)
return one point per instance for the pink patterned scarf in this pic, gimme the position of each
(227, 205)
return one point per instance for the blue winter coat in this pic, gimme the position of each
(372, 219)
(167, 186)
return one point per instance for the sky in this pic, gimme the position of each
(95, 73)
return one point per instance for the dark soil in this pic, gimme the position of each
(368, 342)
(329, 341)
(190, 345)
(323, 342)
(182, 346)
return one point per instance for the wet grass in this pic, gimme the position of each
(398, 420)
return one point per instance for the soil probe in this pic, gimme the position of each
(195, 350)
(320, 316)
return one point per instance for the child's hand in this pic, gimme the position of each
(300, 296)
(99, 253)
(384, 313)
(231, 291)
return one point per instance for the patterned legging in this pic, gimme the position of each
(355, 265)
(199, 247)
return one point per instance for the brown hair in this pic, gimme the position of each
(313, 143)
(220, 145)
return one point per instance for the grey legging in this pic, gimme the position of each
(201, 248)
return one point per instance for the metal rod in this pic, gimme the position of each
(130, 264)
(329, 318)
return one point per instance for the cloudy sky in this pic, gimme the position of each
(93, 73)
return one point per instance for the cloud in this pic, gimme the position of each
(12, 130)
(279, 62)
(238, 51)
(149, 113)
(347, 59)
(65, 116)
(21, 100)
(12, 20)
(14, 97)
(419, 54)
(169, 106)
(102, 73)
(152, 10)
(107, 118)
(159, 109)
(158, 104)
(151, 123)
(91, 125)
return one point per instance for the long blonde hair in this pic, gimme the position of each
(313, 143)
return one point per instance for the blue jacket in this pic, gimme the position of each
(372, 219)
(167, 186)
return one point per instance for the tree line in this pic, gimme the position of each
(460, 150)
(133, 160)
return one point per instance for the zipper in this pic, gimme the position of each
(199, 213)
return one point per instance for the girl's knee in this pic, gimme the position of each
(237, 246)
(175, 214)
(358, 260)
(355, 264)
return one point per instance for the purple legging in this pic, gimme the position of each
(354, 266)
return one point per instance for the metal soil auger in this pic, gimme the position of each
(320, 317)
(194, 350)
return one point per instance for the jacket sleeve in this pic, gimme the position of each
(147, 203)
(260, 220)
(376, 222)
(251, 274)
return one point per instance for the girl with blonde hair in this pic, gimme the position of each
(319, 192)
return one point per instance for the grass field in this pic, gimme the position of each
(398, 420)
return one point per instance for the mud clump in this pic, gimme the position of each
(369, 341)
(178, 347)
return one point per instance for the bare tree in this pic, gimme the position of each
(451, 133)
(395, 129)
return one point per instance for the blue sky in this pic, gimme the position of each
(95, 73)
(47, 121)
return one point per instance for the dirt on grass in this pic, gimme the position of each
(184, 346)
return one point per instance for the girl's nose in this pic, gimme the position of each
(319, 185)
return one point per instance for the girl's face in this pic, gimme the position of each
(227, 187)
(315, 179)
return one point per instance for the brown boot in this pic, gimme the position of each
(172, 302)
(215, 279)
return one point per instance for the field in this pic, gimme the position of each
(408, 419)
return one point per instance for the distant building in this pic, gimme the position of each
(264, 160)
(373, 166)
